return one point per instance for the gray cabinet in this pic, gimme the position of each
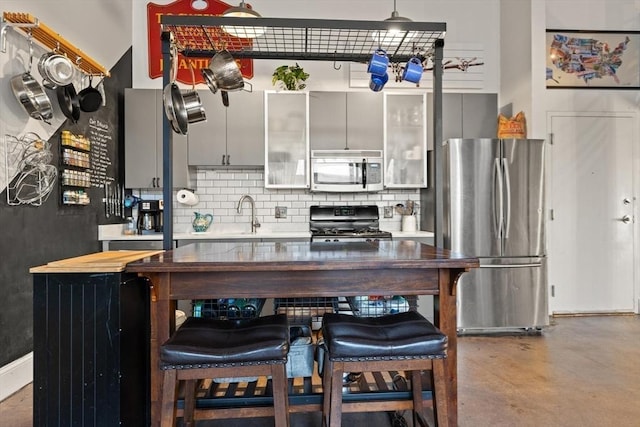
(466, 115)
(231, 136)
(364, 124)
(339, 120)
(327, 120)
(143, 112)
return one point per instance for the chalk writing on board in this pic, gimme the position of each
(101, 139)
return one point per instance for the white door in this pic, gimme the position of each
(591, 231)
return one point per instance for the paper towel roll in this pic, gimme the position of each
(187, 197)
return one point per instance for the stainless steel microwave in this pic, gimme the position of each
(346, 170)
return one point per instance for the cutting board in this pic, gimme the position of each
(105, 262)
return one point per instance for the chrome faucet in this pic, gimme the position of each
(254, 220)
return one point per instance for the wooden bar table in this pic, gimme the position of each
(296, 270)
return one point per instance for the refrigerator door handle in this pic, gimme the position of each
(507, 183)
(499, 217)
(526, 265)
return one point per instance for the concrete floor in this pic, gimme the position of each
(583, 371)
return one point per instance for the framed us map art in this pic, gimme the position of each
(593, 59)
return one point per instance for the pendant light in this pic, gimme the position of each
(241, 11)
(245, 32)
(393, 37)
(395, 16)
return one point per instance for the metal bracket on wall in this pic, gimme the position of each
(51, 40)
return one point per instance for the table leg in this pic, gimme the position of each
(445, 317)
(162, 323)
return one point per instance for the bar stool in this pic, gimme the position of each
(205, 348)
(405, 341)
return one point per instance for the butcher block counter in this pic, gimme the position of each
(299, 269)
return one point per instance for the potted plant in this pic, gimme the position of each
(290, 77)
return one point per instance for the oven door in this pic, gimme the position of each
(345, 175)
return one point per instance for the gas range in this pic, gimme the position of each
(345, 224)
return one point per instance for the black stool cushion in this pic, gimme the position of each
(203, 342)
(394, 336)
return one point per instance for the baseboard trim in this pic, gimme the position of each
(16, 375)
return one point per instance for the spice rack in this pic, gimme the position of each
(50, 39)
(75, 172)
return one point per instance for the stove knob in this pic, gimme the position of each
(336, 240)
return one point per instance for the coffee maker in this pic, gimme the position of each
(149, 217)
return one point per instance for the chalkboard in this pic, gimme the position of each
(105, 129)
(33, 235)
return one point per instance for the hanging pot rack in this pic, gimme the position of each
(302, 39)
(51, 40)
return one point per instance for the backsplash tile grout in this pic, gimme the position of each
(220, 190)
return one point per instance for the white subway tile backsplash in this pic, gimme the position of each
(220, 190)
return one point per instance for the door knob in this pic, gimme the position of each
(626, 219)
(626, 201)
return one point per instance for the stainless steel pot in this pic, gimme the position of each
(31, 94)
(182, 106)
(56, 70)
(32, 97)
(193, 106)
(174, 108)
(45, 78)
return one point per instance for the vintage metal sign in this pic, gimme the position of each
(197, 39)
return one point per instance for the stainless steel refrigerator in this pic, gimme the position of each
(494, 210)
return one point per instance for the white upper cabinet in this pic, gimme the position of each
(286, 139)
(405, 140)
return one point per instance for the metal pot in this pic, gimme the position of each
(45, 78)
(174, 108)
(30, 94)
(182, 107)
(56, 70)
(69, 102)
(193, 106)
(32, 97)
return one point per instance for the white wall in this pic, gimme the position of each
(101, 29)
(619, 15)
(515, 57)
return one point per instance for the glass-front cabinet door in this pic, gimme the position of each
(405, 140)
(286, 139)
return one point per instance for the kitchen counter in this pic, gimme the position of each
(296, 270)
(115, 232)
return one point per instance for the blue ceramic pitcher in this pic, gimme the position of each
(201, 222)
